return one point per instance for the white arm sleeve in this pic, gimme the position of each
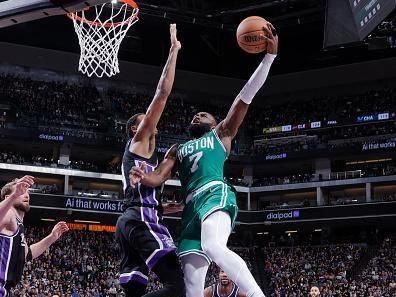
(257, 80)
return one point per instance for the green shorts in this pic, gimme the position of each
(208, 199)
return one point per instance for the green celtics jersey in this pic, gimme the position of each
(200, 162)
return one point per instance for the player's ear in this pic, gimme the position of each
(214, 124)
(134, 129)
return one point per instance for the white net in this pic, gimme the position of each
(100, 38)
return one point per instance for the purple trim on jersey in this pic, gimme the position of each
(5, 249)
(3, 291)
(133, 277)
(149, 192)
(157, 256)
(160, 230)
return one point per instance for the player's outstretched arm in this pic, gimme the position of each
(161, 174)
(164, 88)
(21, 187)
(40, 247)
(228, 128)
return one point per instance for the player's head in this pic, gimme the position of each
(133, 124)
(22, 202)
(314, 292)
(201, 123)
(223, 278)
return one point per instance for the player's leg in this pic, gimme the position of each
(216, 229)
(170, 274)
(156, 247)
(133, 270)
(195, 268)
(133, 289)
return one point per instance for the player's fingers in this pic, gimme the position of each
(62, 224)
(140, 172)
(28, 176)
(28, 179)
(266, 38)
(137, 173)
(136, 170)
(23, 185)
(142, 165)
(273, 30)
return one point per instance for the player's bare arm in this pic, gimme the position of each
(208, 291)
(20, 188)
(40, 247)
(161, 174)
(240, 294)
(228, 128)
(147, 127)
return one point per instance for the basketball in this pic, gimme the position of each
(249, 35)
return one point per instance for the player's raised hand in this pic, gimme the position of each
(137, 174)
(22, 185)
(58, 230)
(173, 36)
(272, 39)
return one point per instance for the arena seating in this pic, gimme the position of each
(85, 263)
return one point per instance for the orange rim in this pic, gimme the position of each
(74, 16)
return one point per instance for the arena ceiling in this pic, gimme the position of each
(207, 31)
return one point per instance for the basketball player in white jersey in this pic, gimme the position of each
(223, 288)
(14, 250)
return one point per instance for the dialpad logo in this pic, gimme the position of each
(293, 214)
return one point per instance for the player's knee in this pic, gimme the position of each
(174, 285)
(177, 288)
(133, 289)
(212, 249)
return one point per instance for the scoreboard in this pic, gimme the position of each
(351, 21)
(369, 13)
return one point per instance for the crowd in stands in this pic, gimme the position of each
(81, 264)
(283, 180)
(293, 270)
(379, 277)
(54, 103)
(342, 108)
(90, 268)
(387, 197)
(97, 194)
(357, 170)
(15, 158)
(45, 189)
(83, 111)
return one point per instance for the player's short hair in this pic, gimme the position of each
(7, 189)
(132, 121)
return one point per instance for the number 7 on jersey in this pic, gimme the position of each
(196, 158)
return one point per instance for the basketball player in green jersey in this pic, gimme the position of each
(210, 204)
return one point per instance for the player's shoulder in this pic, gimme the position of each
(9, 223)
(172, 151)
(209, 291)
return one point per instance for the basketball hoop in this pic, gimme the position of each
(100, 31)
